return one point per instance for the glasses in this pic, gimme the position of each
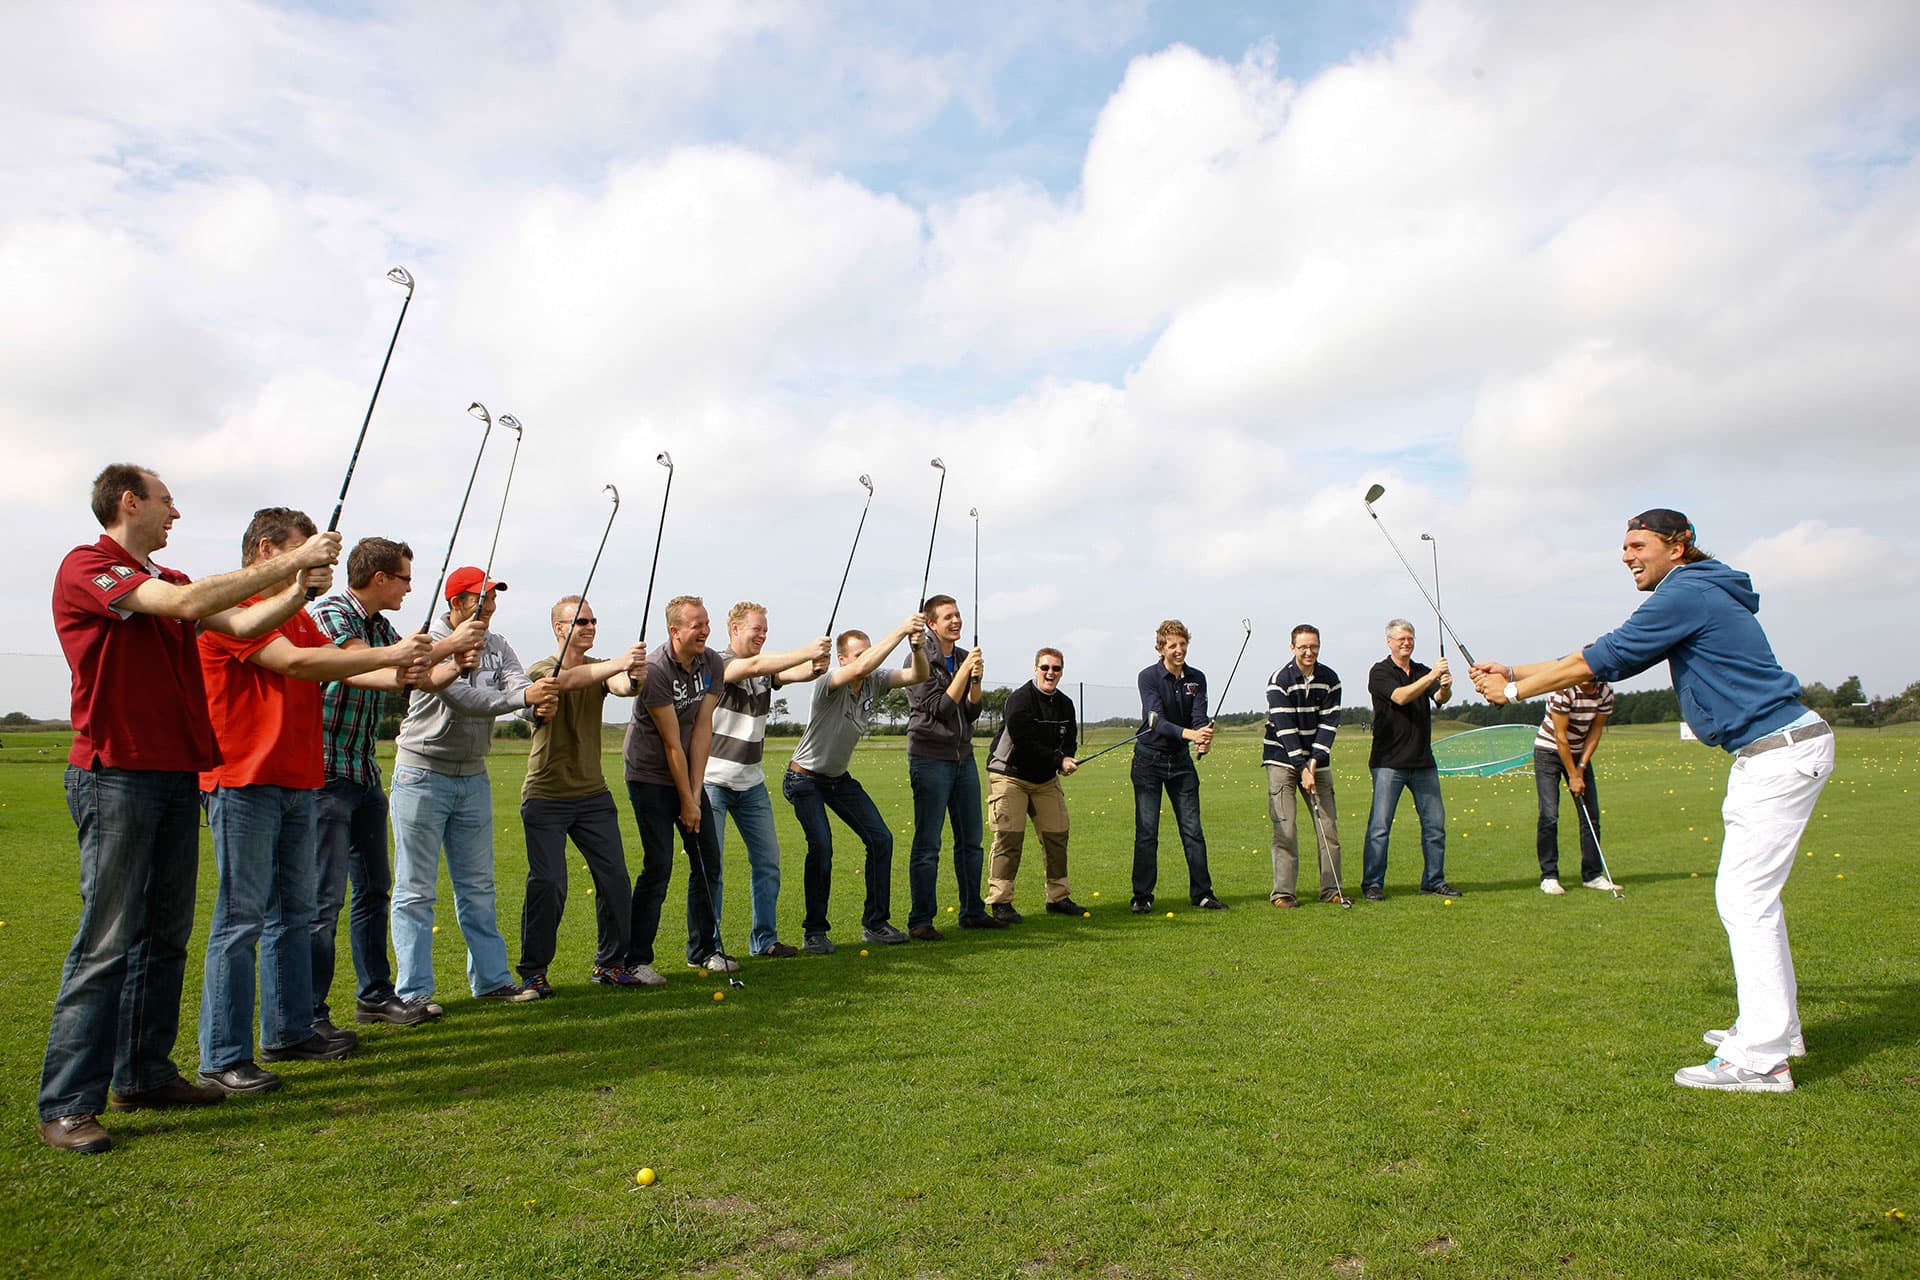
(586, 622)
(1047, 670)
(401, 577)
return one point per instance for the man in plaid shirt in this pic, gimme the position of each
(352, 815)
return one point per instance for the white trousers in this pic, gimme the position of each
(1770, 797)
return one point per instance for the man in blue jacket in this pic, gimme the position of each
(1700, 617)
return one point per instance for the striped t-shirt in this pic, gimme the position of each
(740, 731)
(1579, 706)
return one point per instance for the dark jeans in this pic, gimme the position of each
(656, 808)
(943, 790)
(118, 1011)
(811, 796)
(1173, 772)
(1387, 785)
(1547, 773)
(594, 824)
(351, 819)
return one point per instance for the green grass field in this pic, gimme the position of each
(1405, 1089)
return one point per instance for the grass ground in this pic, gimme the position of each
(1407, 1088)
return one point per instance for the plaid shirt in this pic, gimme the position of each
(350, 717)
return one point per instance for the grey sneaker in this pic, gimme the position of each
(648, 975)
(1796, 1047)
(718, 962)
(886, 933)
(1718, 1073)
(817, 944)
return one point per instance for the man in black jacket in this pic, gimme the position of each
(1038, 736)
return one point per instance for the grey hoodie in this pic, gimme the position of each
(451, 731)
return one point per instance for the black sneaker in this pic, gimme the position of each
(510, 993)
(1443, 890)
(538, 984)
(1373, 893)
(883, 933)
(1210, 903)
(1066, 907)
(984, 922)
(1004, 911)
(1141, 906)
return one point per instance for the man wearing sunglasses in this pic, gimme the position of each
(1038, 736)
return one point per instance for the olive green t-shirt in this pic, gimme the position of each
(565, 760)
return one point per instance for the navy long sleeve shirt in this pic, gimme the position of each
(1181, 701)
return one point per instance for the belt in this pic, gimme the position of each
(1784, 738)
(808, 773)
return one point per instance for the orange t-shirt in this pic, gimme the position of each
(267, 724)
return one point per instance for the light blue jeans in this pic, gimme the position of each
(752, 812)
(1432, 811)
(432, 811)
(264, 847)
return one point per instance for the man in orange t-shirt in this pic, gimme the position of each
(263, 697)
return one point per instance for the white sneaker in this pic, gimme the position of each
(718, 962)
(1796, 1047)
(1601, 883)
(648, 976)
(1718, 1073)
(1551, 886)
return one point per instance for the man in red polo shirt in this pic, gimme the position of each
(263, 696)
(141, 736)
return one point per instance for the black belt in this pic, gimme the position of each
(1784, 738)
(808, 773)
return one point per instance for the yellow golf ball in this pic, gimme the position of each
(1169, 915)
(645, 1177)
(703, 973)
(719, 996)
(949, 910)
(1086, 915)
(863, 951)
(1096, 893)
(1446, 902)
(436, 928)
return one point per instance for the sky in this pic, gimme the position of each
(1165, 286)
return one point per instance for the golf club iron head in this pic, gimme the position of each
(479, 411)
(400, 277)
(508, 420)
(866, 482)
(1373, 494)
(664, 458)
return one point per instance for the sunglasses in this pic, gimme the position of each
(1045, 669)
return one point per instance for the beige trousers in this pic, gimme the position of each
(1009, 801)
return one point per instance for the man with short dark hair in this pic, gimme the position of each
(1404, 694)
(1564, 748)
(817, 780)
(1303, 714)
(264, 699)
(141, 736)
(1034, 747)
(942, 709)
(1173, 713)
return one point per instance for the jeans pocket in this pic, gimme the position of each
(408, 776)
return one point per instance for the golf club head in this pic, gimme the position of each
(1373, 494)
(400, 277)
(616, 496)
(664, 458)
(1153, 718)
(937, 463)
(508, 420)
(736, 983)
(1246, 625)
(866, 482)
(1427, 537)
(974, 512)
(479, 411)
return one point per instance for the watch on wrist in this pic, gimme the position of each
(1512, 691)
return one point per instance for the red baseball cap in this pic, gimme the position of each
(467, 578)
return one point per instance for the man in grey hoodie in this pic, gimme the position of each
(442, 799)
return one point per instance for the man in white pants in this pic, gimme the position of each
(1701, 619)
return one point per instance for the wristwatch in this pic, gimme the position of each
(1512, 691)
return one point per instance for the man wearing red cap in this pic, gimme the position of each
(442, 800)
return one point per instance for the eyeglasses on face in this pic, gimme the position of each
(1047, 668)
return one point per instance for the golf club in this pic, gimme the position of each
(479, 411)
(1153, 718)
(1320, 843)
(927, 577)
(506, 420)
(975, 513)
(400, 277)
(665, 459)
(689, 840)
(866, 482)
(1437, 624)
(562, 659)
(1373, 496)
(1247, 626)
(1580, 803)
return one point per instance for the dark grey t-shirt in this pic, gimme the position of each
(834, 726)
(669, 684)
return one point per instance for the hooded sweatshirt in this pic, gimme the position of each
(939, 728)
(1701, 619)
(451, 731)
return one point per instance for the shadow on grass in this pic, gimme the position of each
(1879, 1018)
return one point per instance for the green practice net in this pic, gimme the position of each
(1481, 753)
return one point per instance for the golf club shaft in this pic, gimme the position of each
(333, 523)
(835, 615)
(1439, 623)
(1580, 803)
(1445, 625)
(561, 661)
(1320, 843)
(691, 841)
(1248, 625)
(1116, 746)
(927, 577)
(646, 611)
(437, 584)
(509, 420)
(976, 577)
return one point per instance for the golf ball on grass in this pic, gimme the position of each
(718, 996)
(1086, 915)
(1169, 915)
(645, 1177)
(863, 951)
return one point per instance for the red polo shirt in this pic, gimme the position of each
(138, 700)
(267, 724)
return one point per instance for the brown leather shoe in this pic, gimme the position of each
(177, 1092)
(1284, 901)
(926, 933)
(79, 1134)
(781, 950)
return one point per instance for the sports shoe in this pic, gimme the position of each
(1066, 907)
(1601, 883)
(1210, 903)
(1285, 901)
(817, 944)
(1718, 1073)
(1374, 893)
(647, 974)
(1552, 887)
(1796, 1047)
(984, 922)
(1338, 900)
(538, 982)
(608, 975)
(509, 993)
(1142, 905)
(427, 1005)
(1443, 890)
(781, 951)
(927, 933)
(718, 962)
(883, 933)
(1004, 911)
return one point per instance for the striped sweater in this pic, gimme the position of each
(1303, 714)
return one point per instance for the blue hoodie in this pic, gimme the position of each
(1701, 620)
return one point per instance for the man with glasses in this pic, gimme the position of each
(1303, 714)
(1038, 736)
(1404, 694)
(1701, 616)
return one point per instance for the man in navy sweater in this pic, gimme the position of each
(1700, 616)
(1177, 694)
(1303, 714)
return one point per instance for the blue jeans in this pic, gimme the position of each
(263, 849)
(1425, 785)
(432, 811)
(118, 1011)
(1547, 772)
(656, 810)
(752, 811)
(811, 796)
(1172, 772)
(351, 819)
(943, 790)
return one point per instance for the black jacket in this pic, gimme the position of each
(1040, 730)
